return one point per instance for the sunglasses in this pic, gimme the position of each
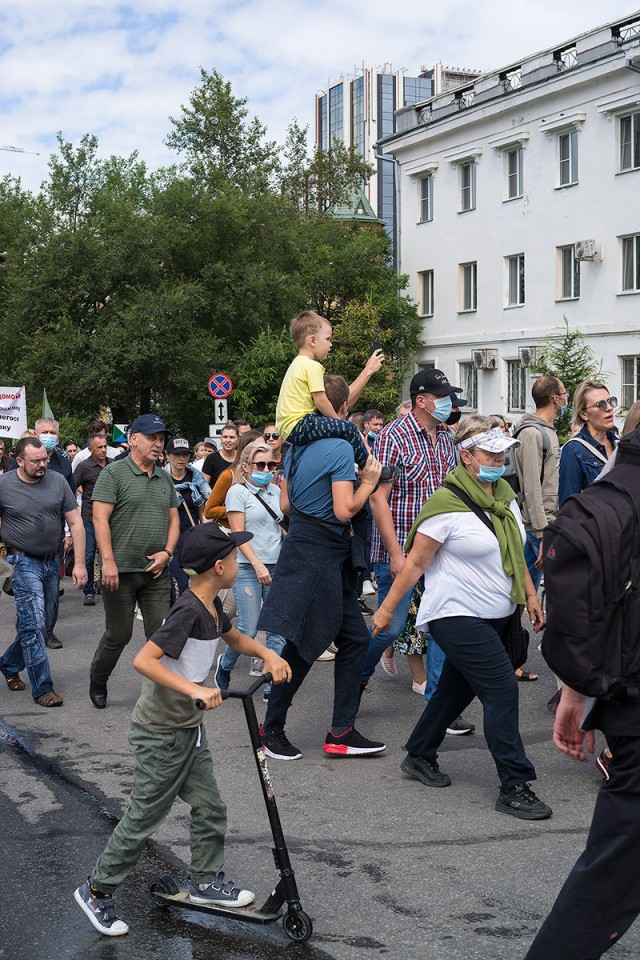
(603, 404)
(271, 436)
(271, 465)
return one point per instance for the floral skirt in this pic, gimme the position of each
(412, 640)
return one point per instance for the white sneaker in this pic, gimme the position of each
(327, 655)
(368, 589)
(257, 666)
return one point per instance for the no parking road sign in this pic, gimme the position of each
(219, 386)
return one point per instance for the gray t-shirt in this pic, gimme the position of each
(32, 514)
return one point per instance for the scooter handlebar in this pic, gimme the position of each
(239, 694)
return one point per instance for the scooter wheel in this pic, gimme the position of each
(164, 884)
(297, 926)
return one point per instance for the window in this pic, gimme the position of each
(468, 287)
(426, 293)
(357, 116)
(630, 142)
(515, 280)
(516, 386)
(468, 186)
(336, 114)
(630, 380)
(568, 152)
(514, 173)
(426, 198)
(469, 384)
(631, 263)
(568, 274)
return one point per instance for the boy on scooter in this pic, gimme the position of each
(172, 758)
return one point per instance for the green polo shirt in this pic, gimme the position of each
(140, 517)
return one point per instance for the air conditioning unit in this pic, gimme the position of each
(484, 359)
(527, 356)
(585, 250)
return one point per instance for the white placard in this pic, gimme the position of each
(221, 415)
(13, 411)
(215, 430)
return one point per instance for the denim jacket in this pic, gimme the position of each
(580, 466)
(200, 489)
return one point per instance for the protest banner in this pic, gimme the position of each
(13, 411)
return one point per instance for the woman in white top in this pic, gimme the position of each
(253, 504)
(468, 541)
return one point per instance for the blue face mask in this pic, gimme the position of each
(490, 474)
(564, 409)
(443, 408)
(48, 441)
(371, 435)
(261, 478)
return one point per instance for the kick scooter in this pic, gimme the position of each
(296, 923)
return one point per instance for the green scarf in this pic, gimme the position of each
(504, 522)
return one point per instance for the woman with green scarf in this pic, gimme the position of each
(474, 576)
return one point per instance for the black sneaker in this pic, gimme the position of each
(223, 677)
(220, 893)
(277, 746)
(52, 641)
(460, 727)
(101, 910)
(89, 600)
(522, 802)
(426, 771)
(351, 744)
(365, 608)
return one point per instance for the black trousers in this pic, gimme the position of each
(601, 896)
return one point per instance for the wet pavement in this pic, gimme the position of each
(385, 866)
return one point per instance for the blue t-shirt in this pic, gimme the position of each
(267, 535)
(311, 470)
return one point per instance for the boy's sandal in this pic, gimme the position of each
(14, 682)
(525, 677)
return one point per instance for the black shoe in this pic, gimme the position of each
(89, 600)
(52, 642)
(365, 609)
(426, 771)
(522, 802)
(351, 744)
(460, 727)
(277, 746)
(98, 694)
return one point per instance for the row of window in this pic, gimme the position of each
(519, 394)
(567, 278)
(629, 159)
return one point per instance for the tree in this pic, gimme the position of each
(568, 357)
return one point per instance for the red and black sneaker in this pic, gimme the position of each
(351, 744)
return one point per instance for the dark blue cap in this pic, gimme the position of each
(148, 423)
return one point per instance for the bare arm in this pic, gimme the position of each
(236, 525)
(417, 561)
(372, 366)
(568, 735)
(347, 501)
(76, 526)
(161, 558)
(323, 405)
(273, 664)
(285, 503)
(147, 662)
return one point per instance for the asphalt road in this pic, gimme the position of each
(385, 866)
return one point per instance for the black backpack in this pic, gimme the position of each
(592, 579)
(511, 473)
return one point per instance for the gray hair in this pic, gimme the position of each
(39, 423)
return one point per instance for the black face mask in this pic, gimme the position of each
(454, 417)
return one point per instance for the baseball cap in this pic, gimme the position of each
(202, 545)
(458, 401)
(492, 441)
(178, 445)
(148, 423)
(211, 441)
(432, 381)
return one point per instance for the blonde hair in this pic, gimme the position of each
(580, 401)
(304, 324)
(632, 419)
(475, 423)
(246, 458)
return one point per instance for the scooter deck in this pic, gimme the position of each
(250, 913)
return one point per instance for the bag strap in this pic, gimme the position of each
(592, 450)
(275, 516)
(184, 504)
(479, 512)
(546, 442)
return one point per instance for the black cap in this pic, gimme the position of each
(202, 545)
(432, 381)
(178, 445)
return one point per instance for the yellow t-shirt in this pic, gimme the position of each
(304, 377)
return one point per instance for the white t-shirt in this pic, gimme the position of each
(466, 577)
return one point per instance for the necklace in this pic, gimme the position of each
(208, 606)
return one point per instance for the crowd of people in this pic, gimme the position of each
(325, 509)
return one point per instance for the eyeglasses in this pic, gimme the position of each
(271, 436)
(603, 404)
(271, 465)
(34, 463)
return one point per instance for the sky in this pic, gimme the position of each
(119, 70)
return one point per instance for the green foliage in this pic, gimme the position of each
(569, 358)
(257, 373)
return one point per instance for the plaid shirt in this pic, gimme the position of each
(422, 469)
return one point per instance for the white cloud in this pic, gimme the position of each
(120, 71)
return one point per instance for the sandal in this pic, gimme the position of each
(14, 682)
(51, 699)
(525, 677)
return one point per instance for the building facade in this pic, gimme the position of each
(520, 205)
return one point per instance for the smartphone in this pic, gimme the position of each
(375, 345)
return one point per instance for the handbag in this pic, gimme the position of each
(515, 638)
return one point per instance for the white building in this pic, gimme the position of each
(520, 203)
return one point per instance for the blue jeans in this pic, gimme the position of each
(435, 663)
(35, 590)
(379, 644)
(179, 579)
(249, 594)
(90, 558)
(531, 551)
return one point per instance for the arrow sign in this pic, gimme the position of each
(221, 413)
(219, 386)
